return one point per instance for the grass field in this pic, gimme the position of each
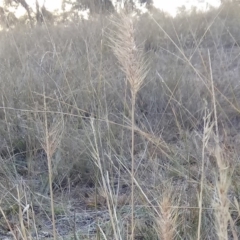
(122, 127)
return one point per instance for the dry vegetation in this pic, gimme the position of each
(122, 128)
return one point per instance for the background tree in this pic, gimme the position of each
(24, 4)
(94, 6)
(147, 2)
(37, 13)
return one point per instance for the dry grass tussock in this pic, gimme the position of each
(121, 128)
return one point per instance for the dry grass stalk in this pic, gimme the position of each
(206, 135)
(106, 193)
(50, 144)
(221, 201)
(131, 61)
(11, 228)
(20, 225)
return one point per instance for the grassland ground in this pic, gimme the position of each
(121, 127)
